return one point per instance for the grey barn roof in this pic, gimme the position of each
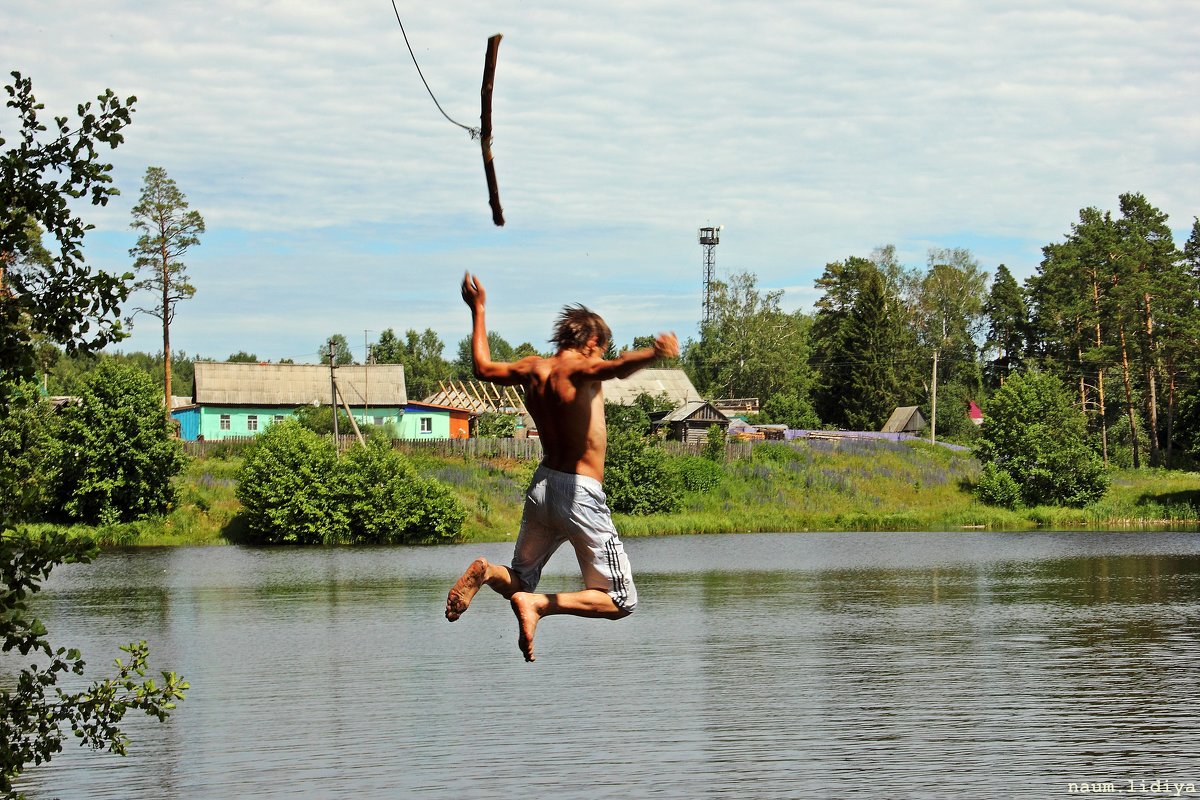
(691, 408)
(294, 385)
(674, 382)
(905, 418)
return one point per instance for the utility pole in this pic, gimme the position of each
(366, 376)
(333, 402)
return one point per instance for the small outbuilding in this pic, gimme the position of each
(691, 421)
(906, 419)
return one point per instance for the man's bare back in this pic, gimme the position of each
(563, 393)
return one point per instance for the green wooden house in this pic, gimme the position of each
(236, 400)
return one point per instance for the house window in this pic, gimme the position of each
(252, 422)
(279, 418)
(426, 424)
(225, 423)
(379, 420)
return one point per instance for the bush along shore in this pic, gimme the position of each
(816, 486)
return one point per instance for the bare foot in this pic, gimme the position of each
(465, 588)
(524, 605)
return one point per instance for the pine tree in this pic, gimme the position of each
(1008, 326)
(169, 230)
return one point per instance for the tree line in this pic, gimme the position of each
(1113, 310)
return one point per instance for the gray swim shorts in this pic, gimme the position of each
(560, 507)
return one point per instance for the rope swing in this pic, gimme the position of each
(483, 133)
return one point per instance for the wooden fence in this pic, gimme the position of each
(517, 449)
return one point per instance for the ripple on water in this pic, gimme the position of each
(780, 666)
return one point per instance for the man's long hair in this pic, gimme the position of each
(576, 325)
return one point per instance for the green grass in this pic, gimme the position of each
(206, 512)
(820, 486)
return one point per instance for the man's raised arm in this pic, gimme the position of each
(666, 345)
(501, 372)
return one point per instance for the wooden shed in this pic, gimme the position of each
(906, 419)
(691, 421)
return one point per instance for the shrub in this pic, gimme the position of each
(697, 474)
(494, 425)
(714, 444)
(27, 453)
(626, 419)
(997, 488)
(774, 453)
(290, 486)
(791, 408)
(388, 502)
(319, 419)
(117, 453)
(296, 490)
(637, 478)
(1033, 432)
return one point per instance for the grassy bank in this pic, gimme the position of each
(828, 486)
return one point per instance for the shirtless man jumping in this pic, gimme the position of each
(565, 501)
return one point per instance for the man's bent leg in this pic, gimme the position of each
(500, 578)
(530, 608)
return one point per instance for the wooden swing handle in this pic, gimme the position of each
(485, 127)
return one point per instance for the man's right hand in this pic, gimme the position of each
(472, 292)
(666, 345)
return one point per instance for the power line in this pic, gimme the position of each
(475, 132)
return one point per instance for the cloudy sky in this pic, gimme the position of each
(338, 199)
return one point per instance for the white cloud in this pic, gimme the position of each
(813, 131)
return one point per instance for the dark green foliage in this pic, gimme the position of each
(27, 453)
(388, 502)
(1008, 326)
(863, 343)
(871, 392)
(341, 350)
(421, 355)
(775, 453)
(65, 373)
(696, 473)
(295, 490)
(463, 366)
(714, 445)
(1032, 432)
(752, 348)
(997, 488)
(494, 425)
(242, 357)
(637, 476)
(654, 403)
(626, 419)
(788, 408)
(118, 452)
(56, 295)
(36, 713)
(319, 419)
(291, 487)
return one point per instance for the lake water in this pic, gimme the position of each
(886, 665)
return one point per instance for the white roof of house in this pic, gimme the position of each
(294, 385)
(673, 382)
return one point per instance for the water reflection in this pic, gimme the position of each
(807, 665)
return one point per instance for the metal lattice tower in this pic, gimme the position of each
(709, 239)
